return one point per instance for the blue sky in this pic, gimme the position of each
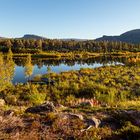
(68, 18)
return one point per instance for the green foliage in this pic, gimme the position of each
(129, 132)
(6, 70)
(11, 99)
(24, 95)
(109, 84)
(37, 46)
(36, 98)
(106, 86)
(70, 99)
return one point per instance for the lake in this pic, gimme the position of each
(40, 66)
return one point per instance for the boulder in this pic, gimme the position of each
(2, 102)
(43, 108)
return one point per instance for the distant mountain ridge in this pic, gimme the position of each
(75, 39)
(132, 36)
(31, 36)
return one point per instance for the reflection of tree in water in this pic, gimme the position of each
(10, 65)
(7, 68)
(39, 64)
(28, 67)
(70, 62)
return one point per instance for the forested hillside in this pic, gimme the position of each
(35, 46)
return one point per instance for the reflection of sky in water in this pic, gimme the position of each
(19, 76)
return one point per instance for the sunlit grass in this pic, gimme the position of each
(134, 104)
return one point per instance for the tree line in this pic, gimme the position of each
(37, 46)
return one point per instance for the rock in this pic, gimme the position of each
(96, 121)
(60, 107)
(79, 116)
(46, 107)
(2, 102)
(93, 122)
(9, 113)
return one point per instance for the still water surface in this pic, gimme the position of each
(41, 67)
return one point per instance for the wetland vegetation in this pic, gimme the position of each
(95, 94)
